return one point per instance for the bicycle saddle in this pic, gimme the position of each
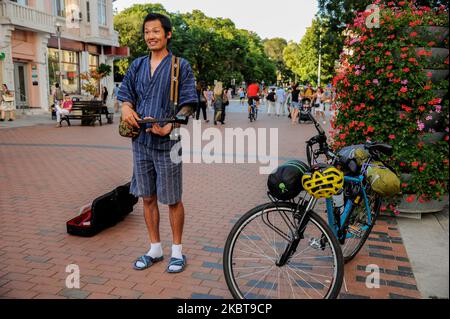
(376, 147)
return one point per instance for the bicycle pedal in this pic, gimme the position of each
(354, 230)
(315, 243)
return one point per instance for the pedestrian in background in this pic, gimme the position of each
(116, 101)
(217, 101)
(295, 108)
(7, 103)
(202, 95)
(104, 95)
(271, 102)
(319, 110)
(280, 97)
(210, 97)
(242, 96)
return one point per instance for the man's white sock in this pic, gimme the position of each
(155, 250)
(176, 251)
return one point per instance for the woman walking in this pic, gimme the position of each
(202, 95)
(105, 95)
(295, 108)
(7, 101)
(217, 100)
(318, 105)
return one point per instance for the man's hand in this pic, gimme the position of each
(186, 110)
(158, 130)
(129, 115)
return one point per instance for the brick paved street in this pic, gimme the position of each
(47, 174)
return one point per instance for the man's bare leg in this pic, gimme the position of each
(151, 215)
(176, 215)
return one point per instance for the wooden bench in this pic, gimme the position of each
(88, 112)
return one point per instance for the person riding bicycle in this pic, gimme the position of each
(253, 91)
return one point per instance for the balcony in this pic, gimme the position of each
(26, 17)
(104, 37)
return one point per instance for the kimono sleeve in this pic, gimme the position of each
(187, 91)
(127, 91)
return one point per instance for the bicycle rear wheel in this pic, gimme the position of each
(257, 241)
(358, 228)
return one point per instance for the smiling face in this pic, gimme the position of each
(155, 35)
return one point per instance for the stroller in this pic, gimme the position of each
(305, 111)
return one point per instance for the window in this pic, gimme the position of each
(59, 8)
(88, 12)
(102, 12)
(70, 70)
(21, 2)
(93, 62)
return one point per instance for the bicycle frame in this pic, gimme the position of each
(337, 225)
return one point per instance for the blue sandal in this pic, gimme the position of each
(176, 262)
(147, 261)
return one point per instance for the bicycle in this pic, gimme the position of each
(253, 115)
(288, 240)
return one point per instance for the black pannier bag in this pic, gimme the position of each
(285, 183)
(106, 211)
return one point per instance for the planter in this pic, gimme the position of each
(438, 55)
(437, 75)
(430, 33)
(440, 93)
(415, 209)
(432, 138)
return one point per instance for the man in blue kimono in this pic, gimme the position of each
(145, 93)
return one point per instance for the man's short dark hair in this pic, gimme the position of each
(165, 22)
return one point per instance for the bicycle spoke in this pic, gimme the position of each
(257, 247)
(303, 280)
(264, 276)
(247, 275)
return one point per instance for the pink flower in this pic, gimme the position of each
(429, 117)
(404, 89)
(429, 74)
(392, 137)
(420, 125)
(375, 81)
(438, 108)
(405, 82)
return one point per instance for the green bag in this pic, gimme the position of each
(383, 181)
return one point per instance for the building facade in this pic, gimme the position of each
(34, 34)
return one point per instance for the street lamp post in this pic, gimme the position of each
(58, 34)
(320, 58)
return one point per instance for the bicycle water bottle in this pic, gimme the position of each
(338, 200)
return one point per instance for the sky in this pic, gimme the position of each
(287, 19)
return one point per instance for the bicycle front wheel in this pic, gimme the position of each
(358, 226)
(258, 240)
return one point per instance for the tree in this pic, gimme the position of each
(303, 58)
(274, 49)
(215, 48)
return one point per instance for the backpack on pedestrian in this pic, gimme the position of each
(271, 97)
